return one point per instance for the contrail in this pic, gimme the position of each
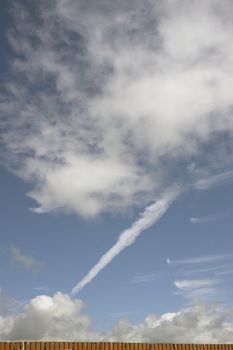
(146, 219)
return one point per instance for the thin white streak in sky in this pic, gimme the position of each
(149, 217)
(214, 181)
(199, 259)
(145, 278)
(193, 284)
(209, 218)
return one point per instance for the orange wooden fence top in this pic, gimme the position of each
(48, 345)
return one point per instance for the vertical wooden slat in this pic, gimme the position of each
(33, 346)
(7, 346)
(140, 346)
(12, 346)
(56, 346)
(115, 346)
(37, 346)
(18, 345)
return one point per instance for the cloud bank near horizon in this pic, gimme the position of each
(60, 317)
(107, 101)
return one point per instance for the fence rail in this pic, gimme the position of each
(26, 345)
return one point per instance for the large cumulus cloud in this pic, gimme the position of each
(47, 317)
(107, 101)
(61, 317)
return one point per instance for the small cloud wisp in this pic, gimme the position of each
(26, 261)
(215, 181)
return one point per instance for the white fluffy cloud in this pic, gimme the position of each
(44, 317)
(106, 100)
(61, 318)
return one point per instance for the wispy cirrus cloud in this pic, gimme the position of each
(26, 261)
(199, 271)
(197, 288)
(41, 289)
(193, 284)
(227, 270)
(202, 259)
(210, 218)
(145, 278)
(214, 181)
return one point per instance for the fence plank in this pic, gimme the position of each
(26, 345)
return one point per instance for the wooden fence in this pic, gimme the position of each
(108, 346)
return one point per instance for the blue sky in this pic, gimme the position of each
(116, 116)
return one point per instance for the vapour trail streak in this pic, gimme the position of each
(146, 219)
